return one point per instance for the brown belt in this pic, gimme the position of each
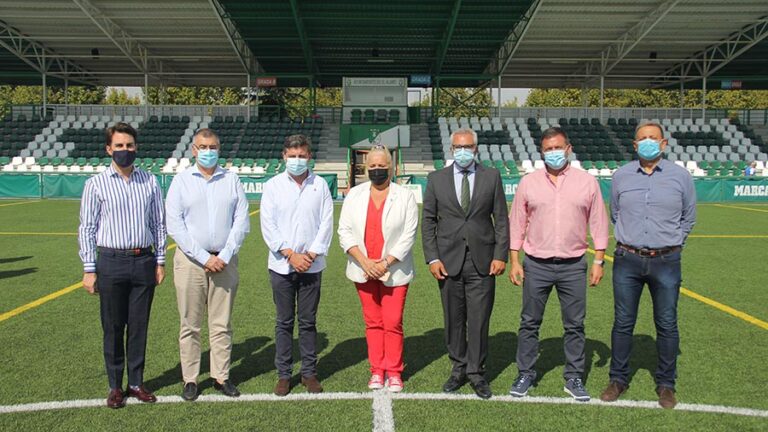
(648, 253)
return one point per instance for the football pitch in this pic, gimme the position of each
(52, 371)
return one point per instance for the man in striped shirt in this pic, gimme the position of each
(122, 246)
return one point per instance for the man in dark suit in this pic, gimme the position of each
(466, 241)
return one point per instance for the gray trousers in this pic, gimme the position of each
(569, 277)
(467, 304)
(296, 295)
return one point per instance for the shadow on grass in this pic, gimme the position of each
(644, 356)
(420, 351)
(14, 259)
(245, 351)
(15, 273)
(345, 354)
(551, 356)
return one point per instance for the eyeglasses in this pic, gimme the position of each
(378, 147)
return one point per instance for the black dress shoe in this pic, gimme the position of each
(454, 383)
(190, 391)
(227, 389)
(482, 389)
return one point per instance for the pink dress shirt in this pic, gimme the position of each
(549, 220)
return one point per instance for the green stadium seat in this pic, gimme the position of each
(69, 161)
(587, 164)
(81, 161)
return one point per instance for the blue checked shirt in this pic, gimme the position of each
(120, 214)
(207, 215)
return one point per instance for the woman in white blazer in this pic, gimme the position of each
(377, 230)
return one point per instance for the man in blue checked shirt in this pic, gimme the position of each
(122, 246)
(297, 225)
(207, 214)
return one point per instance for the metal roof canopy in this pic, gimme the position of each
(529, 43)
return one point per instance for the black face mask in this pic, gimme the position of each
(378, 176)
(124, 158)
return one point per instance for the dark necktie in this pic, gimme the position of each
(465, 191)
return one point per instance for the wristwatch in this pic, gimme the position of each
(598, 262)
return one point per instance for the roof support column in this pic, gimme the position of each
(66, 91)
(146, 96)
(704, 98)
(498, 103)
(602, 96)
(45, 94)
(248, 97)
(682, 97)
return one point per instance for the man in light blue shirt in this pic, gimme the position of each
(297, 225)
(653, 207)
(207, 215)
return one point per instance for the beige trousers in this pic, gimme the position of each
(196, 289)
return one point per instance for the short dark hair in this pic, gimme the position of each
(206, 133)
(119, 127)
(553, 132)
(652, 124)
(297, 141)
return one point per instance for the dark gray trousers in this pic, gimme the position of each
(569, 277)
(295, 295)
(467, 304)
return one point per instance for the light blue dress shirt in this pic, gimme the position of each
(207, 215)
(458, 176)
(296, 217)
(654, 210)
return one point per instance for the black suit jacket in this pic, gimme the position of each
(446, 229)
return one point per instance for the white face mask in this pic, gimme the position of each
(296, 166)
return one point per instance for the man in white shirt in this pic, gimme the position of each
(297, 225)
(207, 215)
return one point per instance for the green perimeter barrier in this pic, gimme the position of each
(52, 185)
(709, 189)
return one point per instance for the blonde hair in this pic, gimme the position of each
(380, 150)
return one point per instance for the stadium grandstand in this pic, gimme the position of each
(435, 44)
(378, 54)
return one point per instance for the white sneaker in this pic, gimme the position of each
(395, 384)
(376, 382)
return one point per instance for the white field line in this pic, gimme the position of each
(383, 419)
(266, 397)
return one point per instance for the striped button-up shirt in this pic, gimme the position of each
(120, 214)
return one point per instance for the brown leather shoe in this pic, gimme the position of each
(283, 387)
(613, 391)
(116, 399)
(312, 384)
(142, 394)
(666, 397)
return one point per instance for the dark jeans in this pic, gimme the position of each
(569, 278)
(295, 295)
(662, 275)
(126, 288)
(467, 304)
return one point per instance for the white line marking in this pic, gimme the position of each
(383, 419)
(267, 397)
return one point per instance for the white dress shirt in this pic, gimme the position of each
(296, 217)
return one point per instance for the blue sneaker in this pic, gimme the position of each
(521, 385)
(575, 388)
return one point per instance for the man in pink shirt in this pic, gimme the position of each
(549, 218)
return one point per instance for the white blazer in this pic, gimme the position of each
(399, 221)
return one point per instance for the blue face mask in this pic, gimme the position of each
(648, 149)
(207, 158)
(296, 166)
(463, 157)
(555, 159)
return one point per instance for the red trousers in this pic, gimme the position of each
(383, 316)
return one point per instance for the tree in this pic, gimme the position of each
(648, 98)
(460, 102)
(195, 95)
(120, 97)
